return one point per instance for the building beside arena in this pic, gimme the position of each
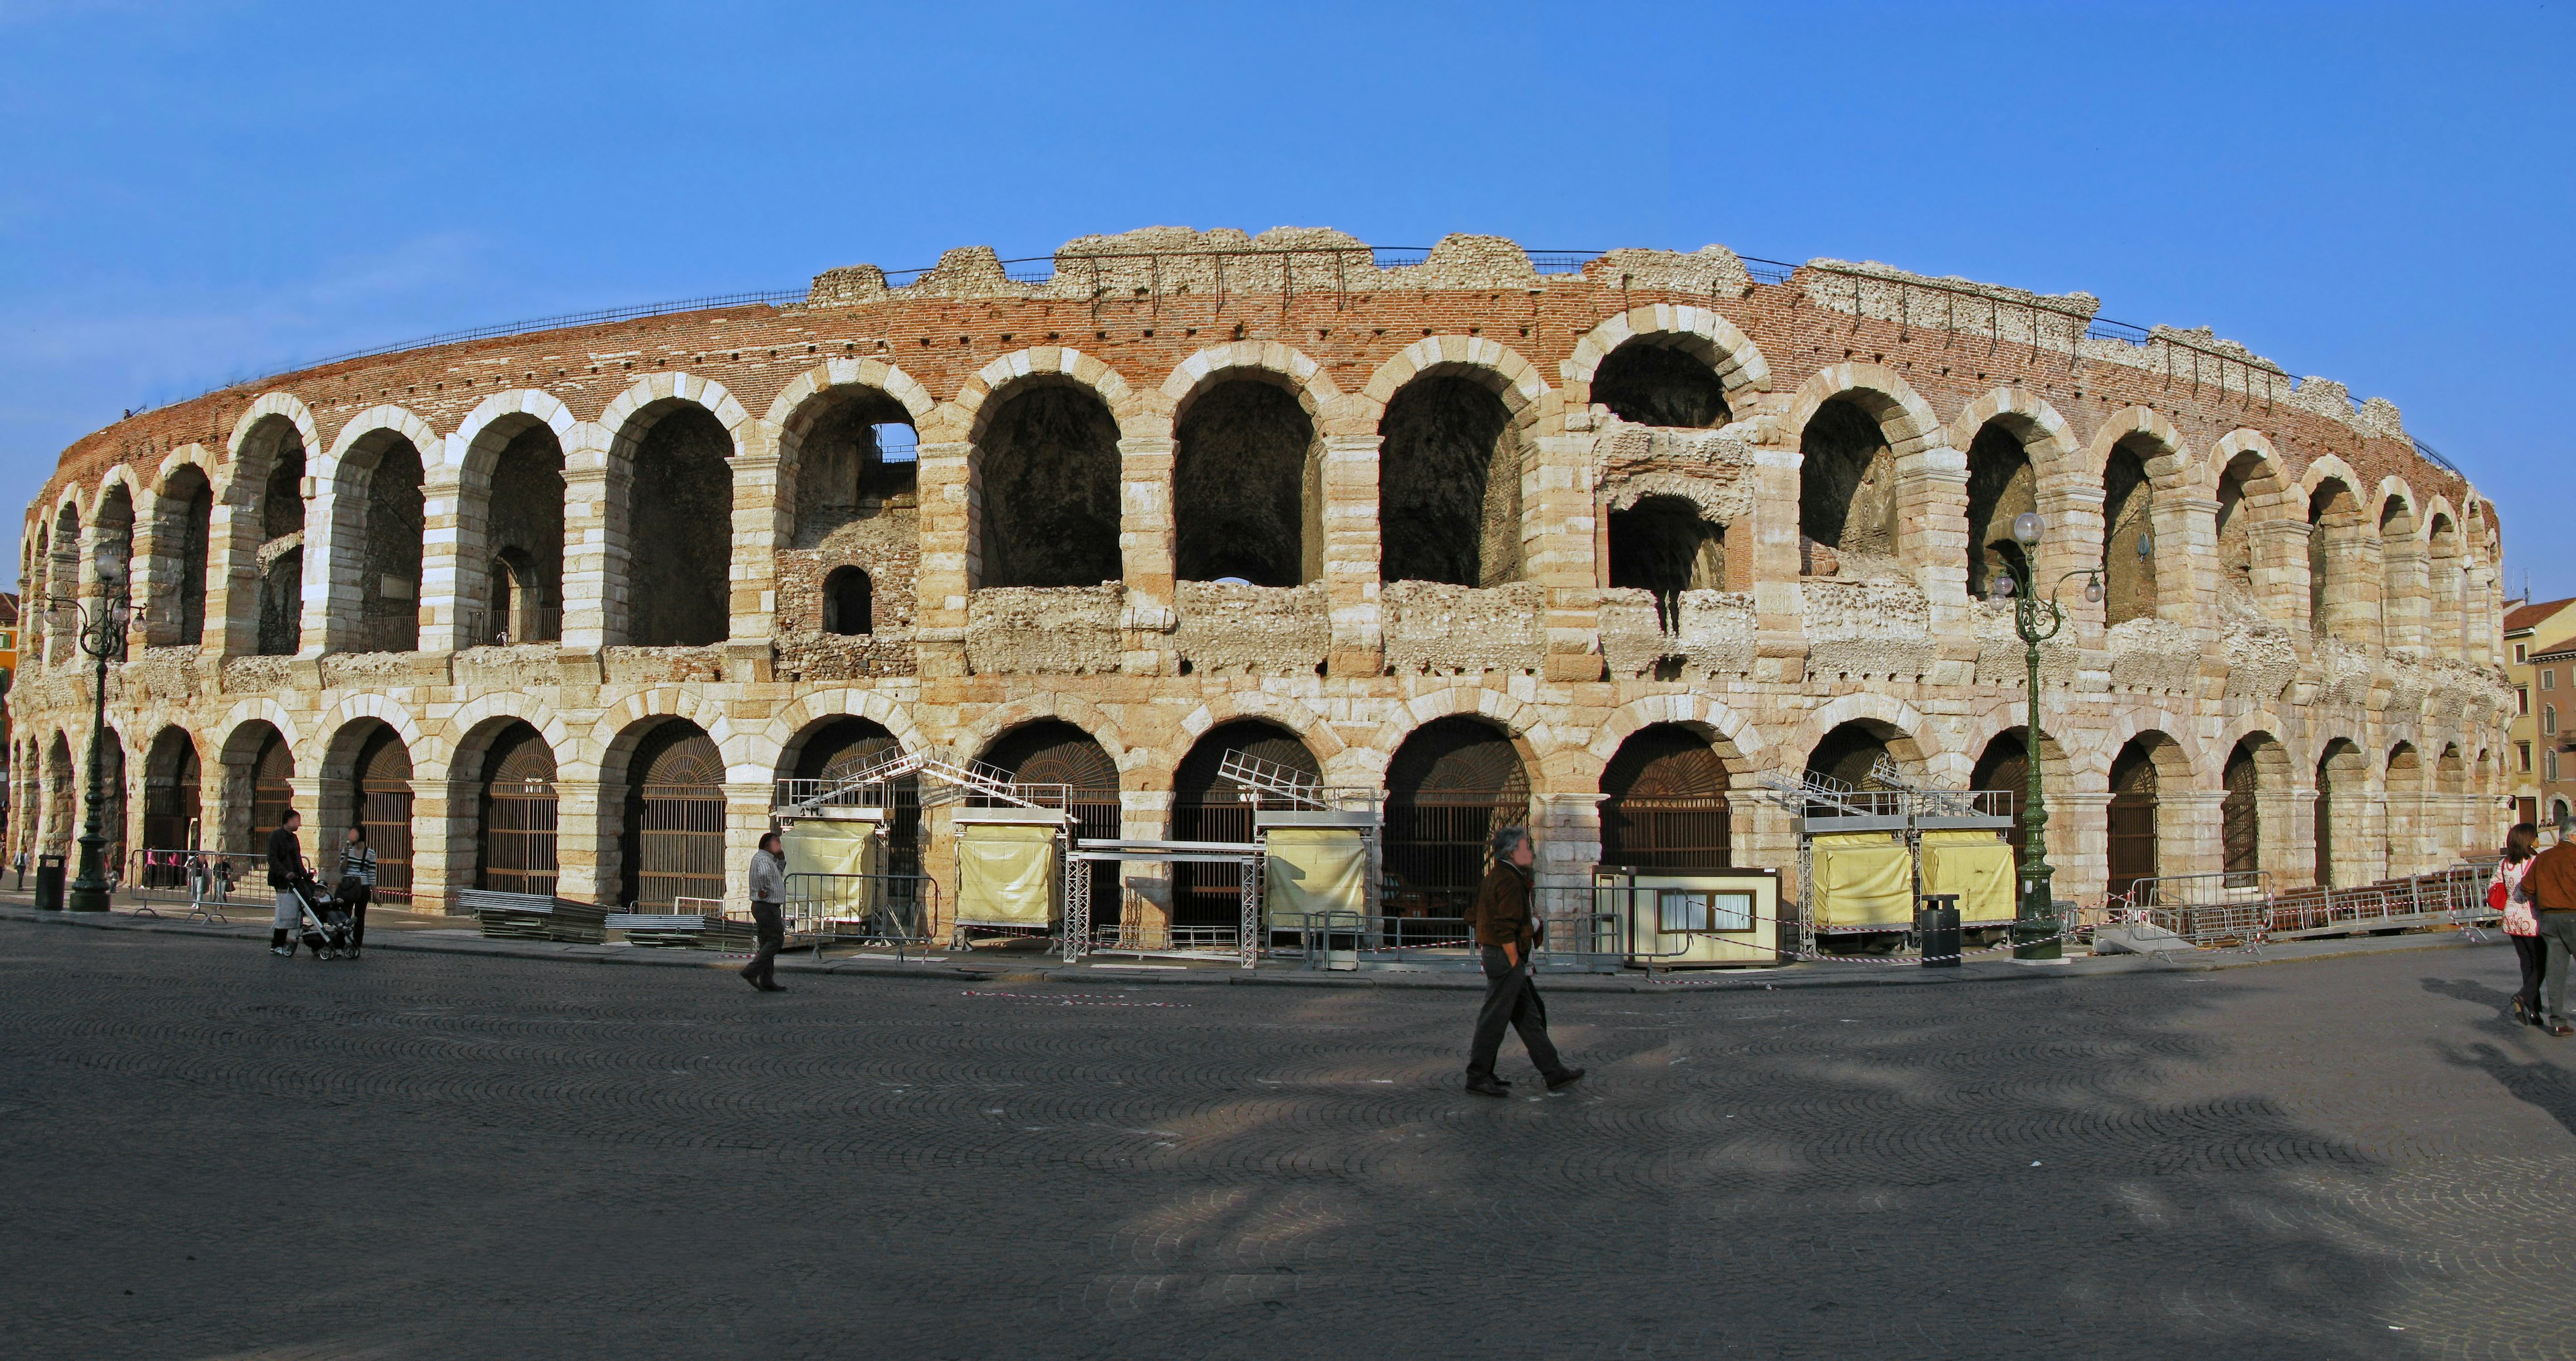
(1593, 540)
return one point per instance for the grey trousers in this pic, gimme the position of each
(2558, 929)
(1511, 998)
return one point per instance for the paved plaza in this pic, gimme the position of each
(213, 1153)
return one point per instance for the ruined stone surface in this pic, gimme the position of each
(693, 480)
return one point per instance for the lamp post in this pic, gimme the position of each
(2037, 933)
(102, 637)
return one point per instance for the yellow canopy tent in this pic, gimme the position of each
(1862, 879)
(1975, 864)
(1315, 869)
(1007, 872)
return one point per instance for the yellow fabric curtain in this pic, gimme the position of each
(1006, 874)
(1976, 865)
(1315, 869)
(1863, 879)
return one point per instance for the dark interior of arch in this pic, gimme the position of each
(2005, 767)
(2240, 827)
(1049, 463)
(2340, 781)
(271, 767)
(1666, 802)
(187, 517)
(1449, 485)
(849, 602)
(171, 797)
(2128, 502)
(389, 558)
(2001, 486)
(1457, 760)
(112, 791)
(281, 551)
(2332, 514)
(517, 824)
(1847, 754)
(1847, 480)
(842, 475)
(1664, 544)
(113, 545)
(1665, 761)
(2130, 817)
(850, 744)
(1247, 487)
(1205, 807)
(1654, 384)
(523, 529)
(672, 842)
(680, 537)
(2235, 539)
(1052, 751)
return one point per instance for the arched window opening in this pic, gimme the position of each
(1654, 383)
(1206, 808)
(523, 533)
(1054, 752)
(379, 796)
(281, 552)
(673, 843)
(1449, 485)
(1664, 545)
(2235, 534)
(1449, 787)
(62, 588)
(848, 745)
(2131, 817)
(849, 602)
(2003, 774)
(171, 807)
(389, 521)
(2342, 792)
(271, 771)
(1664, 804)
(2001, 487)
(2401, 584)
(2447, 625)
(857, 465)
(2334, 542)
(180, 544)
(516, 824)
(2240, 819)
(1248, 487)
(2403, 807)
(1848, 754)
(1049, 468)
(2128, 516)
(1846, 494)
(112, 548)
(58, 797)
(680, 544)
(112, 804)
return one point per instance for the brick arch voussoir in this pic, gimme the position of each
(469, 724)
(815, 708)
(1293, 714)
(1741, 367)
(2047, 440)
(1498, 366)
(976, 738)
(980, 396)
(1315, 389)
(611, 739)
(334, 730)
(280, 404)
(471, 451)
(1739, 743)
(138, 499)
(2394, 488)
(2269, 504)
(2170, 469)
(1904, 418)
(2177, 753)
(1886, 710)
(618, 418)
(1523, 724)
(239, 717)
(792, 410)
(2323, 469)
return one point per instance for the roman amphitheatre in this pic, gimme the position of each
(1592, 540)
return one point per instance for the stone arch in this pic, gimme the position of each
(258, 759)
(612, 737)
(1736, 740)
(1249, 423)
(179, 544)
(1288, 712)
(259, 526)
(1905, 420)
(2141, 770)
(812, 709)
(2009, 436)
(2254, 805)
(375, 518)
(1047, 426)
(1665, 800)
(2405, 583)
(173, 802)
(1853, 424)
(2343, 581)
(1450, 783)
(666, 833)
(847, 499)
(1892, 720)
(256, 435)
(62, 578)
(1729, 356)
(2136, 456)
(1455, 416)
(499, 572)
(1531, 740)
(989, 727)
(2345, 855)
(365, 778)
(1206, 807)
(2244, 476)
(504, 815)
(676, 445)
(107, 570)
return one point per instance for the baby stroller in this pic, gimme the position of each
(326, 920)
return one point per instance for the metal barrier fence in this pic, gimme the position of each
(208, 882)
(2241, 909)
(899, 910)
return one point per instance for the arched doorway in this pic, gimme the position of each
(2341, 789)
(271, 771)
(1449, 485)
(1206, 808)
(1659, 380)
(2240, 818)
(1664, 803)
(847, 745)
(2002, 775)
(680, 526)
(516, 822)
(674, 835)
(170, 805)
(1048, 463)
(1247, 485)
(1453, 782)
(2131, 817)
(1054, 752)
(380, 782)
(58, 797)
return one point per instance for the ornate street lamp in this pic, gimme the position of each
(102, 637)
(2037, 933)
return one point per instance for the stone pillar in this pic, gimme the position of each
(320, 843)
(586, 827)
(1146, 554)
(232, 568)
(451, 520)
(1351, 555)
(2290, 852)
(1932, 529)
(2352, 585)
(951, 501)
(2071, 542)
(1567, 828)
(594, 563)
(1560, 522)
(1145, 891)
(443, 818)
(334, 552)
(747, 819)
(2280, 552)
(2186, 558)
(2405, 602)
(2079, 842)
(1779, 619)
(152, 582)
(2190, 832)
(758, 521)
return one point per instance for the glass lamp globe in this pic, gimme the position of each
(2027, 527)
(2001, 588)
(2093, 590)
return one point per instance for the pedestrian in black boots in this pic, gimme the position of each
(768, 891)
(1506, 933)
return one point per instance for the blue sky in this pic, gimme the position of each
(198, 193)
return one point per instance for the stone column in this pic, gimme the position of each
(232, 568)
(334, 550)
(443, 820)
(1351, 555)
(752, 565)
(2186, 558)
(595, 542)
(1567, 828)
(1146, 554)
(2405, 604)
(2280, 552)
(450, 521)
(1779, 618)
(2289, 824)
(747, 819)
(2190, 832)
(1143, 815)
(2072, 541)
(2079, 843)
(586, 827)
(951, 503)
(1559, 523)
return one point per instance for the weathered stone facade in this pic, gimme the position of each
(1191, 479)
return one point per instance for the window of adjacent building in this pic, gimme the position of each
(2548, 678)
(2522, 652)
(2522, 695)
(2549, 760)
(2525, 749)
(2549, 718)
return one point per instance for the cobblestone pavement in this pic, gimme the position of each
(213, 1153)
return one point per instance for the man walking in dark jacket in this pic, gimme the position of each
(768, 891)
(1505, 935)
(285, 861)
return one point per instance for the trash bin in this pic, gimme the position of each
(1937, 926)
(49, 883)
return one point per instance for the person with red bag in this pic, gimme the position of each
(2520, 926)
